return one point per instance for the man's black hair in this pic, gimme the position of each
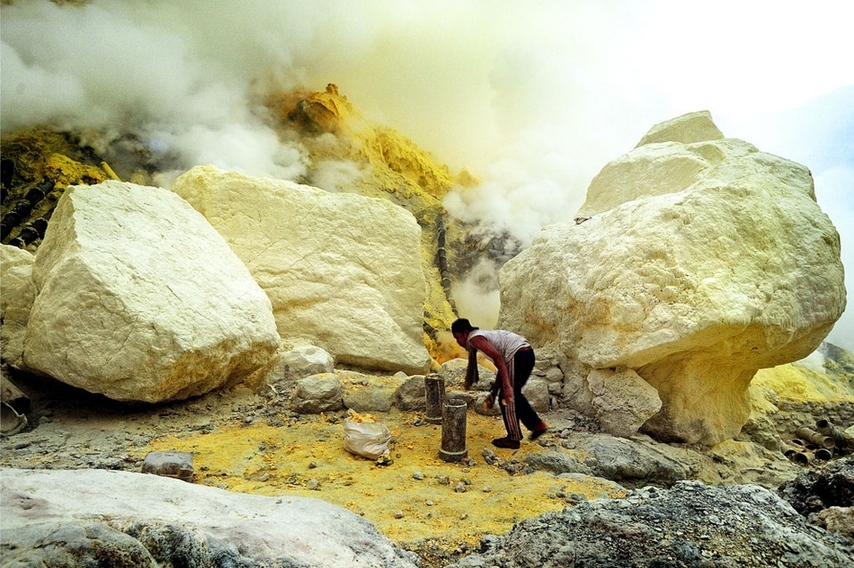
(462, 325)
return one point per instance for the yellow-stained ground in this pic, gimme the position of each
(290, 460)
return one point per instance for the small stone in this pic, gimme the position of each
(168, 464)
(487, 489)
(444, 480)
(312, 464)
(429, 503)
(460, 487)
(398, 514)
(313, 484)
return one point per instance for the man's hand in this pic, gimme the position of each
(489, 401)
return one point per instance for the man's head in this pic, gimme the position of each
(461, 329)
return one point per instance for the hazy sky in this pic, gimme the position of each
(533, 96)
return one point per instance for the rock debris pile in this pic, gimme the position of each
(690, 524)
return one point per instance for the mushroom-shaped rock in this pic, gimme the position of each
(694, 264)
(139, 298)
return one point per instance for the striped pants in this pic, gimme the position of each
(520, 369)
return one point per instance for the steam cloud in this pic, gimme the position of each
(533, 97)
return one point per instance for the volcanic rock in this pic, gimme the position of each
(123, 519)
(411, 394)
(689, 525)
(622, 400)
(17, 298)
(139, 299)
(697, 264)
(317, 393)
(817, 489)
(343, 271)
(305, 360)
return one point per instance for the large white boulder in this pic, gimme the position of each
(17, 293)
(139, 298)
(343, 271)
(117, 518)
(694, 264)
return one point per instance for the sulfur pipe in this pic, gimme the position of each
(816, 438)
(434, 386)
(454, 431)
(825, 427)
(801, 458)
(823, 454)
(109, 171)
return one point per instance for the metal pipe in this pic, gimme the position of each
(816, 438)
(839, 436)
(823, 454)
(434, 386)
(109, 171)
(801, 458)
(454, 431)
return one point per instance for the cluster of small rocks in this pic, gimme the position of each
(825, 495)
(690, 524)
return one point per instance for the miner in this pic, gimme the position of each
(514, 360)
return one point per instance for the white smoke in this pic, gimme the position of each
(533, 97)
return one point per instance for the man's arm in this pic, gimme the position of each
(471, 370)
(490, 351)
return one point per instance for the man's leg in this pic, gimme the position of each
(511, 421)
(524, 364)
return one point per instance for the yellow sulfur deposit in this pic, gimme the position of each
(64, 172)
(796, 382)
(360, 418)
(414, 495)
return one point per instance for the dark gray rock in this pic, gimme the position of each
(633, 463)
(170, 464)
(690, 525)
(557, 463)
(817, 489)
(72, 544)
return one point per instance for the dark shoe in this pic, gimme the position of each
(538, 431)
(506, 443)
